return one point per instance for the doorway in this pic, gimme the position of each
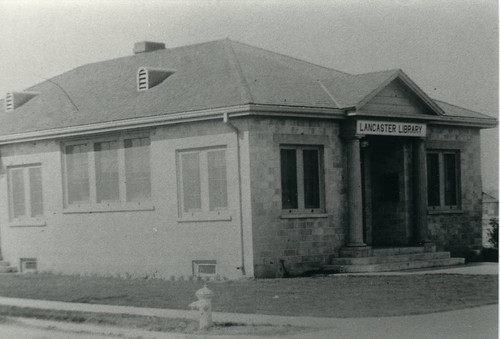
(387, 190)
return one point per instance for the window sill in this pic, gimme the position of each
(27, 223)
(447, 211)
(110, 207)
(222, 216)
(303, 215)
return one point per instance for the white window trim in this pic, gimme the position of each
(204, 213)
(442, 208)
(301, 211)
(105, 206)
(27, 220)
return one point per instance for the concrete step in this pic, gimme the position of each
(388, 259)
(381, 251)
(394, 266)
(4, 263)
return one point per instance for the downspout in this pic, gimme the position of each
(237, 132)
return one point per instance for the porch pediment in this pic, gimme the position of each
(398, 96)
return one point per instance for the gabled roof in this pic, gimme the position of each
(218, 75)
(352, 89)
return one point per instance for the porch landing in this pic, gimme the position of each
(385, 259)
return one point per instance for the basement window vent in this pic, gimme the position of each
(150, 77)
(204, 268)
(28, 265)
(14, 100)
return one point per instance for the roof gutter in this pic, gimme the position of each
(235, 111)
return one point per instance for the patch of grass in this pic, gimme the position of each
(337, 296)
(149, 323)
(177, 325)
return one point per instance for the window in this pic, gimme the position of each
(137, 169)
(301, 179)
(202, 181)
(204, 268)
(77, 173)
(25, 192)
(28, 265)
(108, 171)
(443, 189)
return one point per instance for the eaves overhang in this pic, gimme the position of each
(447, 120)
(174, 118)
(237, 111)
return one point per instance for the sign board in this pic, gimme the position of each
(402, 129)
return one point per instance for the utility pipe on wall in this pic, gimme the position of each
(237, 132)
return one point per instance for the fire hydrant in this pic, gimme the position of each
(204, 305)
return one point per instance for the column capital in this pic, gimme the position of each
(352, 137)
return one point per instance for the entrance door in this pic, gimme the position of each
(387, 191)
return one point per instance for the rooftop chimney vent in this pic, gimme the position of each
(14, 100)
(147, 46)
(150, 77)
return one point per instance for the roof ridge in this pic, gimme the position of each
(392, 70)
(244, 89)
(287, 56)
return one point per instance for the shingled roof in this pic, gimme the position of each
(212, 75)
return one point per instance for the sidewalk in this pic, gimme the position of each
(478, 322)
(480, 268)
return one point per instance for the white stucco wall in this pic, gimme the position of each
(138, 243)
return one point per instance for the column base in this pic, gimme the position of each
(428, 245)
(356, 251)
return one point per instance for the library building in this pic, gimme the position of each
(223, 160)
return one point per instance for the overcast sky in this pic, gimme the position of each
(449, 48)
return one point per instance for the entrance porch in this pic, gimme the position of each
(387, 199)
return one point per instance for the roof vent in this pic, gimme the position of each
(150, 77)
(14, 100)
(147, 46)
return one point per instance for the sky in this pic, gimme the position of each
(449, 48)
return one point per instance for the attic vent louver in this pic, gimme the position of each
(150, 77)
(14, 100)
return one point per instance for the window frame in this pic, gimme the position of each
(196, 264)
(92, 205)
(301, 210)
(203, 213)
(27, 219)
(442, 207)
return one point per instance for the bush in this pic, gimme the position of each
(493, 232)
(489, 254)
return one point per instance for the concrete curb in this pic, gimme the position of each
(248, 319)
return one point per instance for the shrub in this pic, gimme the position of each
(493, 232)
(490, 254)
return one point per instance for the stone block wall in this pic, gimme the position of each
(459, 231)
(304, 243)
(490, 211)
